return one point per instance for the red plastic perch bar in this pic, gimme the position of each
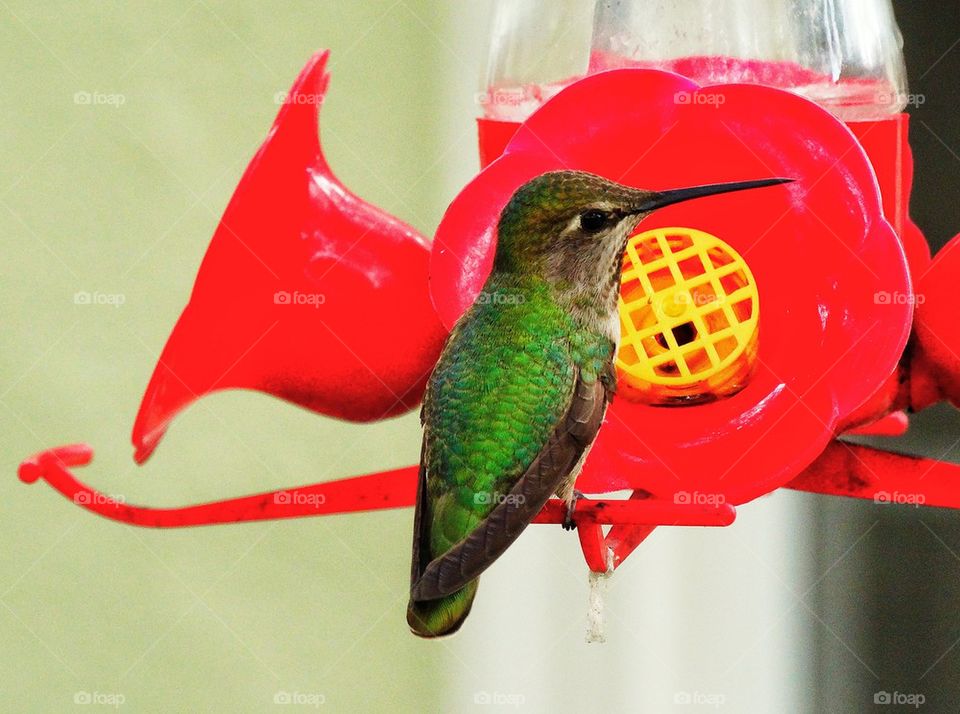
(390, 489)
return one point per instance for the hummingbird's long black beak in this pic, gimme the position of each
(666, 198)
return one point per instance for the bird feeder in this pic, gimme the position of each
(756, 329)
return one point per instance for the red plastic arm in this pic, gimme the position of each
(885, 477)
(390, 489)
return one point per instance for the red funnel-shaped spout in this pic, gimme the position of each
(306, 292)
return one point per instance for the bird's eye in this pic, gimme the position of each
(593, 220)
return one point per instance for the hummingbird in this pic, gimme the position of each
(523, 382)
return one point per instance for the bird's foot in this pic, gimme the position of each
(568, 523)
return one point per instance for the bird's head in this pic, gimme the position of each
(571, 227)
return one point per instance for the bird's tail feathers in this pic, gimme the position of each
(436, 618)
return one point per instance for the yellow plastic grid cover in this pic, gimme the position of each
(688, 308)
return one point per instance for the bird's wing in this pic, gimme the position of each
(419, 530)
(465, 561)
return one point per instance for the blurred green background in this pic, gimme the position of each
(121, 198)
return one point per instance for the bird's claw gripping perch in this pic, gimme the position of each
(568, 522)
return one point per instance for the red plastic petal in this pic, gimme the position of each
(306, 292)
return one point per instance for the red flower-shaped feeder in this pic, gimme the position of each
(779, 317)
(819, 249)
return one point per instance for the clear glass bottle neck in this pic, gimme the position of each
(846, 55)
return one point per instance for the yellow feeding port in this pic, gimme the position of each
(689, 313)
